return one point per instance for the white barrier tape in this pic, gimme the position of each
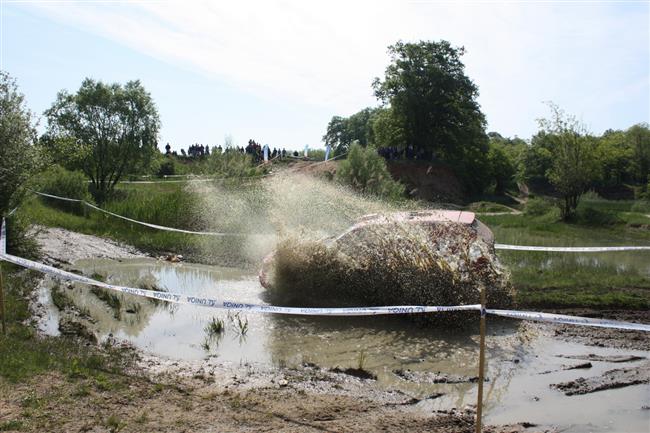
(11, 212)
(570, 249)
(3, 238)
(350, 311)
(236, 306)
(74, 200)
(569, 320)
(154, 226)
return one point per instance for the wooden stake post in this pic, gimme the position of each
(481, 365)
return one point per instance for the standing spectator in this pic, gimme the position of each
(266, 149)
(328, 148)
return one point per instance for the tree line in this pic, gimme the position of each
(428, 111)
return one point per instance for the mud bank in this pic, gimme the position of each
(60, 246)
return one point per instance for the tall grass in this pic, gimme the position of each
(173, 207)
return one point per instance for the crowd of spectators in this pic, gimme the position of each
(253, 148)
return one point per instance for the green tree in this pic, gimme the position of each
(615, 159)
(502, 167)
(342, 131)
(638, 137)
(428, 91)
(574, 167)
(18, 157)
(113, 129)
(387, 129)
(537, 159)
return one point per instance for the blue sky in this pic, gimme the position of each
(277, 71)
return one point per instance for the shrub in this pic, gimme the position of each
(590, 216)
(64, 183)
(19, 159)
(230, 164)
(19, 240)
(366, 171)
(641, 206)
(167, 168)
(537, 206)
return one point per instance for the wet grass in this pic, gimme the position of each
(215, 327)
(113, 300)
(619, 280)
(24, 354)
(98, 224)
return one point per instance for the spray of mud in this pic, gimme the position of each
(297, 216)
(266, 211)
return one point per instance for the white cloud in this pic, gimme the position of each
(326, 53)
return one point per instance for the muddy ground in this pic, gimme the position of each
(162, 395)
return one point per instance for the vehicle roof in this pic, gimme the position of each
(422, 217)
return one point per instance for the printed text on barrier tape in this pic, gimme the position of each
(229, 305)
(350, 311)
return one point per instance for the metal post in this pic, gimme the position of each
(2, 304)
(481, 365)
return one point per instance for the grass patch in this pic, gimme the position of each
(99, 224)
(592, 280)
(215, 327)
(597, 298)
(486, 206)
(11, 425)
(23, 354)
(60, 299)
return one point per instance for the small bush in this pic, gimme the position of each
(366, 171)
(19, 240)
(63, 183)
(591, 195)
(538, 206)
(590, 216)
(167, 168)
(641, 206)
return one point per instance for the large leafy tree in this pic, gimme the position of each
(18, 156)
(574, 165)
(638, 137)
(435, 102)
(111, 129)
(342, 131)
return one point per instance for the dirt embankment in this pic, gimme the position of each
(60, 246)
(428, 181)
(425, 181)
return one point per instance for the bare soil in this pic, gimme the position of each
(56, 403)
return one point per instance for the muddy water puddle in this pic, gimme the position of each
(516, 358)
